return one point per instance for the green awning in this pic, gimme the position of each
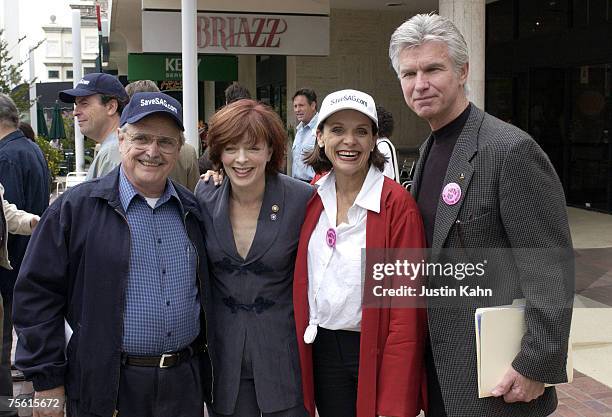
(57, 124)
(43, 130)
(162, 67)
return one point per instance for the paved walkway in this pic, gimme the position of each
(592, 323)
(590, 229)
(584, 397)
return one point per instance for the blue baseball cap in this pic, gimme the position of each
(144, 104)
(95, 83)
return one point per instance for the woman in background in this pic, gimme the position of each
(384, 144)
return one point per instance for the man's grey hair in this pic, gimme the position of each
(9, 115)
(181, 138)
(423, 28)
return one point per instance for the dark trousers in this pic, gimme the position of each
(246, 403)
(156, 392)
(434, 392)
(335, 355)
(6, 380)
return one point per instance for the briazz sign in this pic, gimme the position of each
(240, 32)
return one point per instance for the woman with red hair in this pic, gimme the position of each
(252, 224)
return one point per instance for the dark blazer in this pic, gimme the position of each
(251, 304)
(511, 200)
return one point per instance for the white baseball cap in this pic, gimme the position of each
(348, 100)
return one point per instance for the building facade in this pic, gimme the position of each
(543, 65)
(325, 45)
(549, 71)
(58, 51)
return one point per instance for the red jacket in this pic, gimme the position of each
(392, 378)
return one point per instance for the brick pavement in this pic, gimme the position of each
(594, 274)
(584, 397)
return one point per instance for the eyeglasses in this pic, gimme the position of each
(143, 141)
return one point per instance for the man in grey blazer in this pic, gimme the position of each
(482, 183)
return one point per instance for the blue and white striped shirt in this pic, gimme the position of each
(162, 308)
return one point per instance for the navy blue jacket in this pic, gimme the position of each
(76, 268)
(25, 177)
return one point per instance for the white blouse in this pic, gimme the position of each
(334, 268)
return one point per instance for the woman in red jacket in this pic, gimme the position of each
(362, 362)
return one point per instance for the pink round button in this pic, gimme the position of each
(331, 237)
(451, 194)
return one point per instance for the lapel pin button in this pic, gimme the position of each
(462, 176)
(451, 194)
(275, 208)
(273, 217)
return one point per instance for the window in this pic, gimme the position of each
(580, 13)
(53, 48)
(88, 70)
(91, 44)
(53, 74)
(69, 74)
(68, 49)
(591, 12)
(500, 22)
(598, 11)
(542, 17)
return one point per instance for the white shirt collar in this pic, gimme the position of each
(368, 197)
(371, 190)
(312, 124)
(327, 191)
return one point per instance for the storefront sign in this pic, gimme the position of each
(171, 85)
(223, 33)
(307, 7)
(160, 67)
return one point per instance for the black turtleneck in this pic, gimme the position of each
(434, 170)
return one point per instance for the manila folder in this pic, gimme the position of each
(499, 331)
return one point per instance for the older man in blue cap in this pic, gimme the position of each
(121, 260)
(99, 100)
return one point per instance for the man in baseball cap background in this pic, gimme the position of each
(99, 99)
(129, 282)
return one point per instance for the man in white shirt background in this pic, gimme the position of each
(305, 109)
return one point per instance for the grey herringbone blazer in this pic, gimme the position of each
(511, 198)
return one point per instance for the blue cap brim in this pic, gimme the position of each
(140, 116)
(67, 96)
